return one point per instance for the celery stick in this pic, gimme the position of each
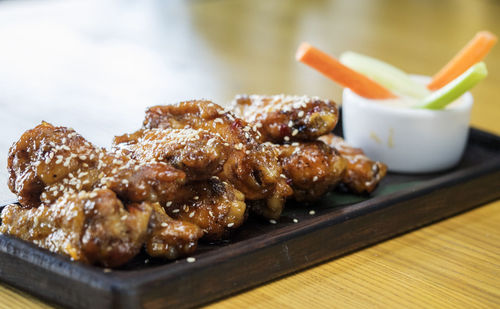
(387, 75)
(454, 89)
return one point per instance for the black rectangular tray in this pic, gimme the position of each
(261, 251)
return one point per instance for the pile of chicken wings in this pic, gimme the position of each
(193, 171)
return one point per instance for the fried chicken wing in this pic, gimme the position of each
(281, 118)
(90, 227)
(36, 160)
(313, 168)
(252, 167)
(199, 153)
(213, 205)
(48, 162)
(169, 238)
(362, 174)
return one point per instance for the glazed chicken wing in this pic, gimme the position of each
(90, 227)
(48, 162)
(313, 168)
(169, 238)
(362, 174)
(213, 205)
(199, 153)
(283, 118)
(251, 167)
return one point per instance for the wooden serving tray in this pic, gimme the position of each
(261, 251)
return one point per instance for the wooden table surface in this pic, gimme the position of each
(96, 65)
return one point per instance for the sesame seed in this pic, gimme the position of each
(169, 203)
(312, 212)
(190, 259)
(283, 176)
(196, 198)
(272, 221)
(300, 114)
(175, 211)
(286, 138)
(315, 178)
(295, 132)
(191, 215)
(107, 270)
(164, 224)
(295, 220)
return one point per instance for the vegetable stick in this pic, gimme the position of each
(444, 96)
(387, 75)
(333, 69)
(472, 53)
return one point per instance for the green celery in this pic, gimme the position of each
(387, 75)
(454, 89)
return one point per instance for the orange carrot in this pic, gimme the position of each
(472, 53)
(333, 69)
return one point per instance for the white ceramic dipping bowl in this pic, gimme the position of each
(408, 140)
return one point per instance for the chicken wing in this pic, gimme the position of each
(48, 162)
(283, 118)
(92, 227)
(313, 168)
(213, 205)
(199, 153)
(252, 167)
(362, 174)
(169, 238)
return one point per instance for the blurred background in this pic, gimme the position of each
(96, 65)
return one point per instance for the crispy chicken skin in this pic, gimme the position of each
(48, 162)
(213, 205)
(90, 227)
(252, 167)
(281, 118)
(312, 167)
(199, 153)
(362, 174)
(169, 238)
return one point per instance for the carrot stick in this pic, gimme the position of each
(333, 69)
(472, 53)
